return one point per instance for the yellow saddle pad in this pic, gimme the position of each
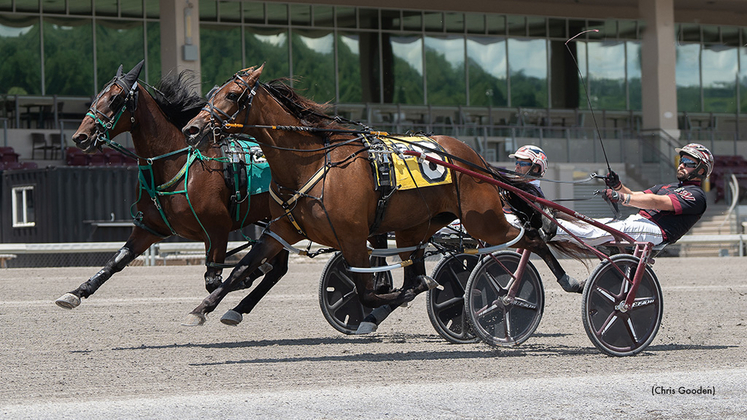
(408, 172)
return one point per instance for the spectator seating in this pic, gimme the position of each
(17, 165)
(107, 157)
(8, 155)
(75, 157)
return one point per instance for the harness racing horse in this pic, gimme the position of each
(187, 194)
(323, 182)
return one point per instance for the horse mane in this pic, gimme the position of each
(311, 114)
(176, 96)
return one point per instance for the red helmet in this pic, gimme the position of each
(701, 154)
(534, 154)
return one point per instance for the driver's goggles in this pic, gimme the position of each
(523, 163)
(688, 163)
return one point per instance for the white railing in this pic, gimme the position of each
(159, 251)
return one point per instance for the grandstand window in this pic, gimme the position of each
(407, 61)
(53, 6)
(313, 63)
(633, 74)
(229, 11)
(68, 56)
(445, 72)
(720, 69)
(688, 78)
(607, 75)
(527, 64)
(219, 47)
(743, 80)
(118, 42)
(267, 45)
(487, 67)
(349, 60)
(23, 206)
(20, 68)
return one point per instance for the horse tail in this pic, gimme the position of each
(572, 250)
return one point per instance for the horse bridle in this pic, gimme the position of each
(244, 101)
(105, 123)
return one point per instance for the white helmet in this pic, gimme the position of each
(701, 154)
(535, 155)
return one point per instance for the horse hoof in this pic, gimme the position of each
(231, 318)
(194, 320)
(366, 328)
(430, 283)
(68, 301)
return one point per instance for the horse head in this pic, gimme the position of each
(226, 105)
(118, 99)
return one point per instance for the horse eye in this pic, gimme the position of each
(231, 96)
(116, 102)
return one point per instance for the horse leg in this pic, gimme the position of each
(137, 243)
(279, 269)
(415, 282)
(382, 283)
(264, 250)
(539, 247)
(216, 256)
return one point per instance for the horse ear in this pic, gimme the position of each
(256, 73)
(119, 71)
(133, 74)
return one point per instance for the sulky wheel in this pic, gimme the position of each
(614, 330)
(495, 318)
(338, 298)
(446, 307)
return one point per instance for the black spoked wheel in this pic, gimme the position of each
(613, 329)
(446, 307)
(495, 318)
(338, 297)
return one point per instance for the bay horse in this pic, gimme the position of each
(189, 196)
(324, 183)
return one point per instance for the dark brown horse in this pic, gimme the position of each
(190, 199)
(338, 207)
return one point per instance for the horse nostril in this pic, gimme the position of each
(80, 138)
(191, 130)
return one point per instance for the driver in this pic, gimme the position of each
(667, 211)
(531, 163)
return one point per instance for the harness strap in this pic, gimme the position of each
(299, 193)
(138, 221)
(146, 183)
(285, 243)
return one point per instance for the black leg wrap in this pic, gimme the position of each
(123, 257)
(212, 281)
(378, 315)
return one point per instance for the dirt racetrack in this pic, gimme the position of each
(123, 354)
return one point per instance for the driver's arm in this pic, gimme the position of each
(642, 200)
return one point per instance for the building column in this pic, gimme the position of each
(658, 63)
(180, 36)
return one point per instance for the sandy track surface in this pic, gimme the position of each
(123, 354)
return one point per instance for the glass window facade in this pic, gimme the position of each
(20, 43)
(359, 55)
(71, 47)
